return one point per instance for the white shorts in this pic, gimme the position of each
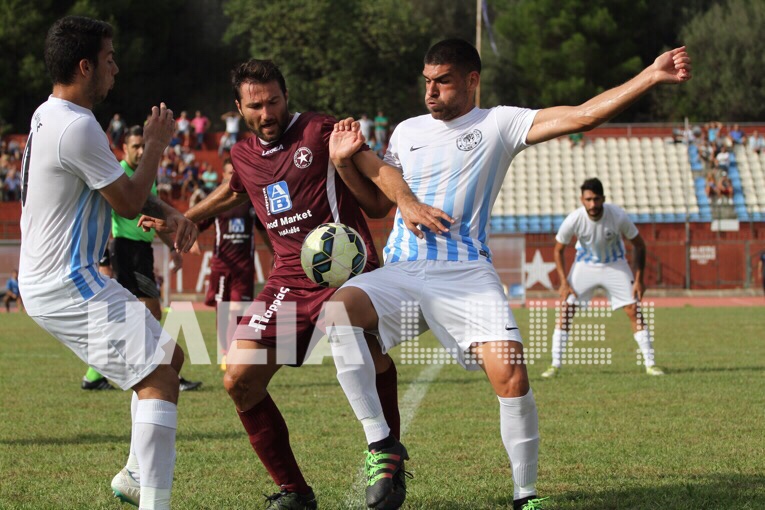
(114, 333)
(461, 302)
(616, 278)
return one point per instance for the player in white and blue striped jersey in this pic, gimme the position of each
(601, 261)
(70, 182)
(440, 276)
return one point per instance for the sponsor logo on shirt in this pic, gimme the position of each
(272, 150)
(303, 157)
(609, 234)
(236, 225)
(279, 197)
(469, 140)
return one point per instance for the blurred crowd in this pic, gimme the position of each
(716, 143)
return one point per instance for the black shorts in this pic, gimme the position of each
(133, 267)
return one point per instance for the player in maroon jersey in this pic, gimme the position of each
(232, 266)
(286, 172)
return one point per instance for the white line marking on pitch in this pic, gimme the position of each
(408, 405)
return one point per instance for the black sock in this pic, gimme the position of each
(388, 442)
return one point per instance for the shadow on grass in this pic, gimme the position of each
(742, 492)
(697, 492)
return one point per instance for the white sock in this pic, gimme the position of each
(356, 373)
(520, 432)
(559, 340)
(132, 462)
(644, 340)
(155, 425)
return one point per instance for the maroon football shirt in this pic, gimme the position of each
(294, 188)
(234, 239)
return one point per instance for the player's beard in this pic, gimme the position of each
(97, 92)
(445, 111)
(280, 123)
(595, 213)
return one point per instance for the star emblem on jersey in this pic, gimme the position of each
(538, 271)
(469, 140)
(303, 157)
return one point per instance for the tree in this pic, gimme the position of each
(565, 52)
(343, 57)
(729, 65)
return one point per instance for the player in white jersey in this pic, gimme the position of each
(455, 159)
(601, 261)
(70, 178)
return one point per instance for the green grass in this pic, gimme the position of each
(611, 436)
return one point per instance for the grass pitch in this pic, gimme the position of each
(612, 437)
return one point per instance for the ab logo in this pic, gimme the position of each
(279, 197)
(236, 226)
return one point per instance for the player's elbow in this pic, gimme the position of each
(125, 207)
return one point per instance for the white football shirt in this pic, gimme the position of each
(457, 166)
(65, 221)
(598, 242)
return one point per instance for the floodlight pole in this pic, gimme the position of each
(478, 47)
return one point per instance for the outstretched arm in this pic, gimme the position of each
(220, 200)
(672, 67)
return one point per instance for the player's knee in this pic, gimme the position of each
(356, 309)
(513, 381)
(243, 390)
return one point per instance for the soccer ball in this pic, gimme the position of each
(332, 253)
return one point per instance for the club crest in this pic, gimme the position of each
(469, 140)
(303, 157)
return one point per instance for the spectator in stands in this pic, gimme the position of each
(575, 139)
(381, 127)
(116, 130)
(711, 187)
(183, 128)
(187, 155)
(711, 131)
(12, 186)
(725, 188)
(5, 166)
(723, 158)
(190, 179)
(209, 177)
(736, 135)
(367, 127)
(756, 143)
(14, 149)
(165, 175)
(12, 292)
(200, 123)
(232, 131)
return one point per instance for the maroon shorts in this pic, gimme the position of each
(230, 286)
(286, 319)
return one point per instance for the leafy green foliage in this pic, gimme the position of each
(341, 57)
(729, 65)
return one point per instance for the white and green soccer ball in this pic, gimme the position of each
(332, 253)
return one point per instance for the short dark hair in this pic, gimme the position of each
(456, 52)
(71, 39)
(256, 71)
(134, 131)
(593, 185)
